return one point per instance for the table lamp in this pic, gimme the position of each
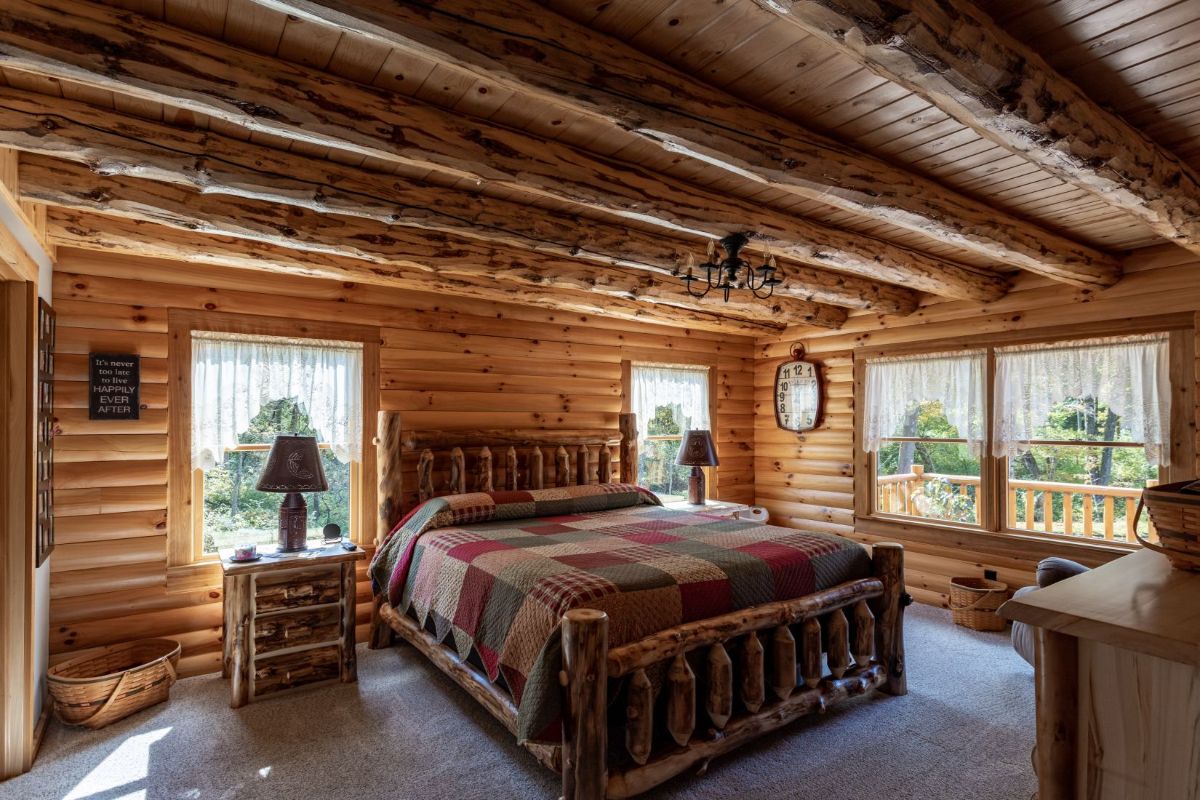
(696, 451)
(293, 466)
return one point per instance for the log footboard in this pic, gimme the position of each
(717, 683)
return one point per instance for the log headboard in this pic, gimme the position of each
(417, 465)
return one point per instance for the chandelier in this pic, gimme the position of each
(732, 272)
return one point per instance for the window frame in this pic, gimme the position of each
(685, 362)
(185, 543)
(993, 522)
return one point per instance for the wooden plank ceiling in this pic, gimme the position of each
(571, 153)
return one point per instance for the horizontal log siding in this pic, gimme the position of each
(807, 480)
(445, 362)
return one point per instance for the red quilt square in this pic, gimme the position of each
(791, 569)
(472, 599)
(469, 551)
(705, 599)
(548, 530)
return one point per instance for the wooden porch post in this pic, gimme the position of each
(585, 729)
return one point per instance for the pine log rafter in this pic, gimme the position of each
(526, 48)
(950, 53)
(112, 144)
(124, 236)
(132, 55)
(62, 184)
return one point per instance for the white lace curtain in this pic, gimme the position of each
(234, 376)
(1130, 375)
(683, 389)
(896, 385)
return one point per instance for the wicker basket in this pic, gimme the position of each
(1176, 517)
(973, 603)
(103, 687)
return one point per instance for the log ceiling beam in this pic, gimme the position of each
(64, 184)
(526, 48)
(113, 144)
(129, 237)
(953, 55)
(132, 55)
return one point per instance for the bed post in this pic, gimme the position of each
(629, 453)
(585, 728)
(388, 451)
(888, 558)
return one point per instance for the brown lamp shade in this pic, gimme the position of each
(294, 465)
(697, 450)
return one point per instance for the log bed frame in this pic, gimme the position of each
(727, 680)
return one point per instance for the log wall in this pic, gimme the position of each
(445, 362)
(807, 480)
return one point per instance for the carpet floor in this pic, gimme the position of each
(964, 732)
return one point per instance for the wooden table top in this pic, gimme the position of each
(271, 560)
(1137, 602)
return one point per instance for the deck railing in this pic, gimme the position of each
(905, 493)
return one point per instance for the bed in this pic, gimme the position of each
(621, 642)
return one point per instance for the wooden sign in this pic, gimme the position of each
(113, 382)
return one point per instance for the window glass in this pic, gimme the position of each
(668, 401)
(237, 513)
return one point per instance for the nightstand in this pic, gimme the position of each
(289, 621)
(714, 507)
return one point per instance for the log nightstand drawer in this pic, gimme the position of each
(289, 621)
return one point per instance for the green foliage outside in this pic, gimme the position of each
(657, 470)
(237, 513)
(1073, 420)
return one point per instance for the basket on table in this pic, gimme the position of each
(1176, 518)
(102, 687)
(973, 603)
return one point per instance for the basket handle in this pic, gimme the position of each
(1149, 545)
(112, 698)
(978, 600)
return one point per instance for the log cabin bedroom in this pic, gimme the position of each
(600, 399)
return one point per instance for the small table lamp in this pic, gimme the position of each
(294, 466)
(696, 451)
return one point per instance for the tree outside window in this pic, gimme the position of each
(657, 470)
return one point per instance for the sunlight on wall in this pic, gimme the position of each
(124, 767)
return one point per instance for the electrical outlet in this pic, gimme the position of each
(990, 574)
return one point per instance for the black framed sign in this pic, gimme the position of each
(799, 396)
(45, 433)
(113, 384)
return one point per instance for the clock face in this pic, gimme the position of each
(798, 396)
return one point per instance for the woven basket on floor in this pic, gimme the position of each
(973, 603)
(103, 687)
(1176, 518)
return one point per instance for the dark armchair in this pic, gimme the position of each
(1049, 571)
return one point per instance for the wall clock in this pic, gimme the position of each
(799, 396)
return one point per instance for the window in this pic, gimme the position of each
(1075, 431)
(668, 400)
(925, 424)
(1084, 426)
(236, 381)
(247, 389)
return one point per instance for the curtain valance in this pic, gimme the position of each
(233, 376)
(683, 389)
(896, 385)
(1130, 375)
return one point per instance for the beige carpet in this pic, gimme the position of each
(964, 732)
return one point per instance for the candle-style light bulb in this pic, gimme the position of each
(712, 249)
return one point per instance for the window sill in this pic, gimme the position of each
(1030, 544)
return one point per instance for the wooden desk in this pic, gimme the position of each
(1118, 681)
(289, 621)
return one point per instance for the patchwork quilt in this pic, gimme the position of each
(495, 571)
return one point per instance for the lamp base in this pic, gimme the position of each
(293, 523)
(696, 487)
